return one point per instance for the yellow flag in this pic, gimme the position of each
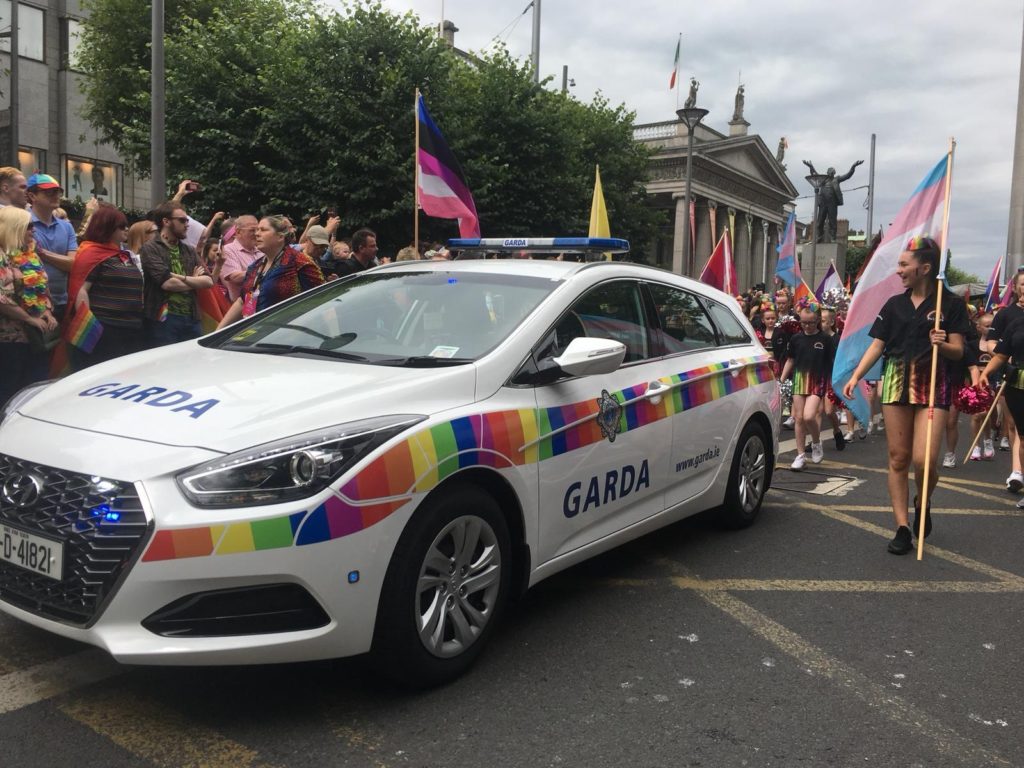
(599, 226)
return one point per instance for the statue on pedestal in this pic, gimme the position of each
(737, 112)
(830, 197)
(691, 100)
(780, 153)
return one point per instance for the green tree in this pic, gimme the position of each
(277, 107)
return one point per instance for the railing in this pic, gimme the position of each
(655, 131)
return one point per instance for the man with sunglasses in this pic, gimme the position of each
(172, 273)
(56, 243)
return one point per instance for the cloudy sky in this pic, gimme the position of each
(825, 75)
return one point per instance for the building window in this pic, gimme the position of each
(30, 30)
(31, 160)
(72, 42)
(83, 178)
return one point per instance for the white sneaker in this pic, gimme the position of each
(949, 460)
(788, 423)
(842, 418)
(988, 451)
(1004, 444)
(976, 454)
(848, 437)
(817, 454)
(870, 428)
(1020, 504)
(1015, 482)
(880, 426)
(861, 432)
(798, 462)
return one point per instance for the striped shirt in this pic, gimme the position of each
(116, 293)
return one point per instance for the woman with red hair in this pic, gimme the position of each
(105, 281)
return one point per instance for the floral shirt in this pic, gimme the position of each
(291, 273)
(11, 330)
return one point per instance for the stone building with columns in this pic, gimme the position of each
(737, 183)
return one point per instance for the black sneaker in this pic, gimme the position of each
(840, 442)
(927, 517)
(901, 543)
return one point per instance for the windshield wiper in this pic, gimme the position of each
(291, 327)
(291, 349)
(424, 361)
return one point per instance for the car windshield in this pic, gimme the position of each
(414, 319)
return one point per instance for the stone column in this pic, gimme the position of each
(1015, 236)
(678, 248)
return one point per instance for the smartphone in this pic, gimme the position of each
(193, 186)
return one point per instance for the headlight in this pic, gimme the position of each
(22, 396)
(288, 469)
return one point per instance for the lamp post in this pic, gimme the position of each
(692, 117)
(816, 180)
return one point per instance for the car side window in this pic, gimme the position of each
(684, 324)
(730, 329)
(610, 311)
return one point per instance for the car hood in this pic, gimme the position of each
(188, 395)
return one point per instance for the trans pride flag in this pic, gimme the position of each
(788, 269)
(921, 215)
(441, 185)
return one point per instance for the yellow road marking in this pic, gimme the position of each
(1011, 512)
(953, 557)
(44, 681)
(155, 733)
(844, 585)
(878, 698)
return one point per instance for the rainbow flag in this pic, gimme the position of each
(442, 187)
(210, 303)
(921, 214)
(85, 330)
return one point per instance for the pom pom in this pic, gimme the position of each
(834, 298)
(837, 401)
(790, 325)
(973, 399)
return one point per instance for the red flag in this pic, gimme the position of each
(720, 272)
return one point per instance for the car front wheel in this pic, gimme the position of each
(445, 588)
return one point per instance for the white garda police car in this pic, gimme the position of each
(380, 463)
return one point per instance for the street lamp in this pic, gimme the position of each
(692, 117)
(816, 180)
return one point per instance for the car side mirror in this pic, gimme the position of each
(587, 356)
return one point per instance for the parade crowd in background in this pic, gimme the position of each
(71, 298)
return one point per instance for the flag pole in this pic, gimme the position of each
(923, 500)
(416, 177)
(984, 423)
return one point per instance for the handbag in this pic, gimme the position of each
(42, 341)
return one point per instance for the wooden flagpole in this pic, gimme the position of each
(923, 500)
(416, 177)
(984, 424)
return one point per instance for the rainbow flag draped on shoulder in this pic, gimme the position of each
(921, 215)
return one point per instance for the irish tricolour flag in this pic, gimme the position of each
(922, 215)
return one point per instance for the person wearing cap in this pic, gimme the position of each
(56, 243)
(13, 188)
(316, 243)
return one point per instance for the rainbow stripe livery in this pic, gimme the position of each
(416, 465)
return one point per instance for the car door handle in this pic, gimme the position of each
(655, 391)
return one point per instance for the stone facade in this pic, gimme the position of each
(52, 134)
(736, 182)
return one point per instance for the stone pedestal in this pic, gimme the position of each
(824, 254)
(738, 127)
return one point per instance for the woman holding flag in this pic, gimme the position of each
(904, 334)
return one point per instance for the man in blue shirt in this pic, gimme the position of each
(56, 243)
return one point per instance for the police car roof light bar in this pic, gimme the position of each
(588, 245)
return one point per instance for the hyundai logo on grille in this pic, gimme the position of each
(22, 490)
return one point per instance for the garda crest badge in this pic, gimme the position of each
(609, 415)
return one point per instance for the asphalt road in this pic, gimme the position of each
(799, 641)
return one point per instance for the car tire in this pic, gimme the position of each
(749, 478)
(445, 588)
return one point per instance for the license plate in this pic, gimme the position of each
(31, 552)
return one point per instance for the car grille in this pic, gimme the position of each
(102, 526)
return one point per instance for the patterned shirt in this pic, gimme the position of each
(291, 273)
(11, 330)
(116, 293)
(35, 297)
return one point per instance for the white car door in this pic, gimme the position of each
(604, 446)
